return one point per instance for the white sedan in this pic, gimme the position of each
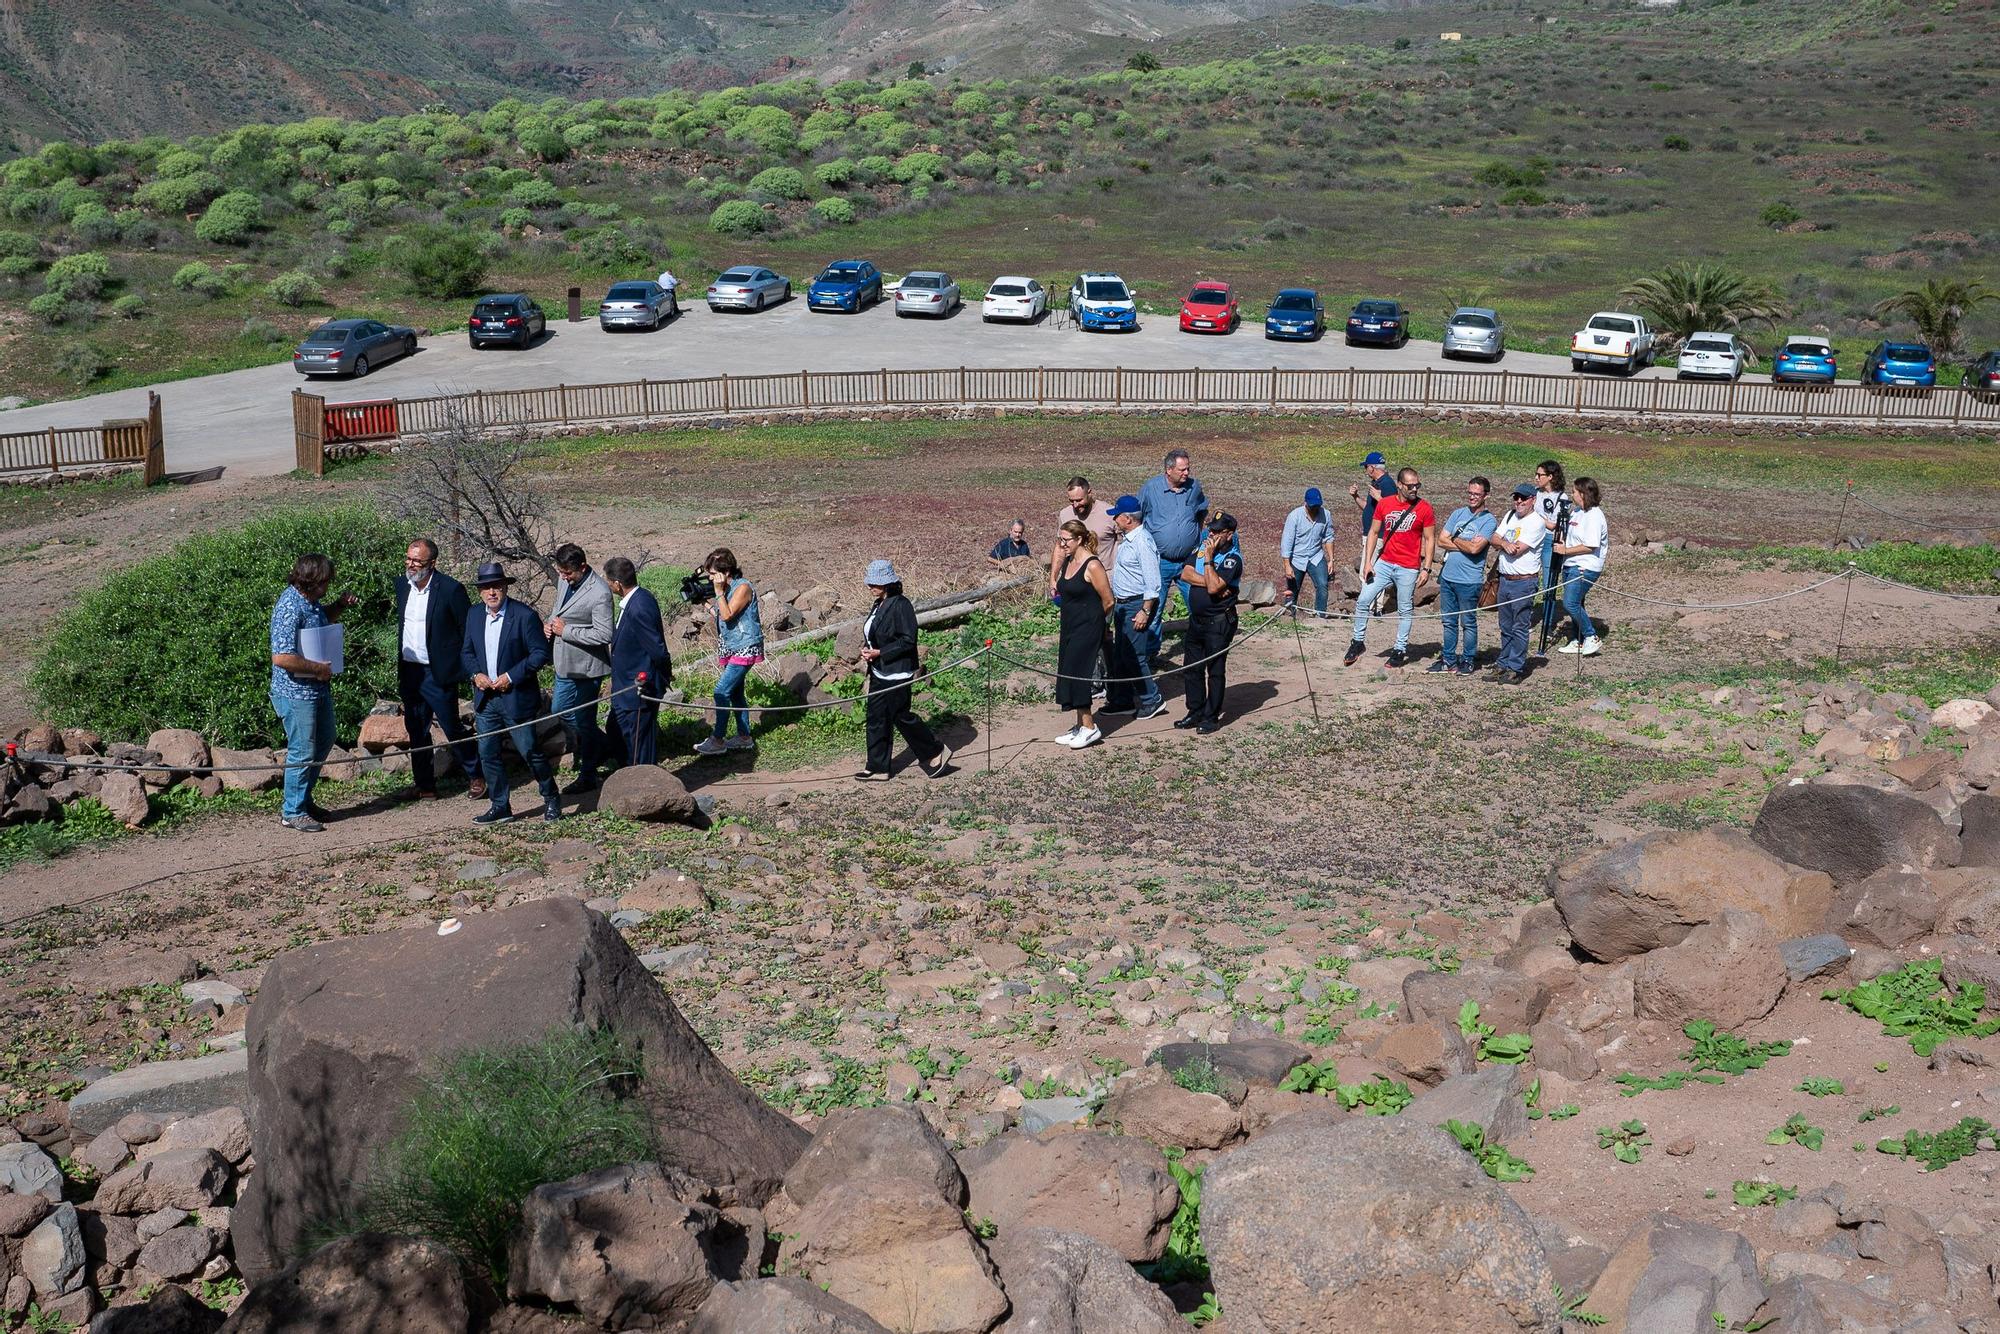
(1713, 355)
(1014, 298)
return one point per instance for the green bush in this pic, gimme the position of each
(129, 307)
(536, 193)
(180, 194)
(738, 217)
(1779, 214)
(918, 168)
(489, 1127)
(183, 640)
(80, 363)
(837, 211)
(200, 279)
(18, 244)
(441, 262)
(1678, 143)
(294, 288)
(49, 308)
(78, 277)
(231, 219)
(780, 183)
(834, 174)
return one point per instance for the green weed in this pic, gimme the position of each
(1752, 1194)
(1797, 1131)
(1820, 1087)
(1493, 1159)
(1626, 1141)
(1915, 1002)
(1945, 1147)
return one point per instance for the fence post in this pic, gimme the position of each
(806, 388)
(1427, 386)
(883, 393)
(1728, 407)
(156, 444)
(1194, 395)
(1041, 385)
(479, 407)
(1118, 386)
(1349, 373)
(55, 458)
(562, 401)
(1274, 388)
(725, 391)
(1958, 404)
(964, 396)
(1504, 383)
(1653, 398)
(1579, 395)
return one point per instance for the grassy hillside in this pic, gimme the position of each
(1541, 162)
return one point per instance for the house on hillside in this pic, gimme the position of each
(1451, 37)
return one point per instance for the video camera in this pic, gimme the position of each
(696, 588)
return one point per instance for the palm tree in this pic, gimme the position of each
(1938, 309)
(1687, 299)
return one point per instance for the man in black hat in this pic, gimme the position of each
(1212, 580)
(504, 652)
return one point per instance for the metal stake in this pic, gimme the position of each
(989, 705)
(1840, 635)
(1298, 637)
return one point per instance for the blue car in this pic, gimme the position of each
(1296, 313)
(1385, 323)
(1909, 364)
(1803, 360)
(1102, 301)
(845, 284)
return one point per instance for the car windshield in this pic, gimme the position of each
(1472, 321)
(501, 308)
(736, 276)
(1612, 324)
(1907, 352)
(925, 281)
(1207, 296)
(1292, 301)
(328, 334)
(842, 273)
(629, 292)
(1006, 289)
(1101, 290)
(1707, 345)
(1808, 350)
(1376, 308)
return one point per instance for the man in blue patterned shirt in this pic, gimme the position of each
(301, 689)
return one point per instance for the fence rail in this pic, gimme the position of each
(116, 440)
(1118, 386)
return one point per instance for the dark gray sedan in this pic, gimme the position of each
(352, 347)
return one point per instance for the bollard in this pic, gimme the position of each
(576, 305)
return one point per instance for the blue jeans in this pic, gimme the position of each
(1517, 617)
(494, 728)
(730, 694)
(1170, 579)
(1404, 579)
(1459, 600)
(1132, 655)
(1576, 586)
(1551, 596)
(308, 737)
(1315, 572)
(586, 740)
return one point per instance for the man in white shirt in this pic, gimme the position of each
(667, 280)
(1307, 548)
(431, 610)
(1519, 540)
(1136, 594)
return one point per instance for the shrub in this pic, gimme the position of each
(738, 217)
(49, 308)
(441, 262)
(780, 183)
(294, 288)
(80, 363)
(835, 174)
(1678, 143)
(972, 103)
(18, 266)
(514, 219)
(535, 193)
(200, 279)
(489, 1127)
(545, 144)
(18, 245)
(94, 225)
(1145, 62)
(129, 307)
(916, 168)
(257, 329)
(1779, 214)
(837, 211)
(79, 277)
(205, 609)
(231, 219)
(874, 167)
(180, 194)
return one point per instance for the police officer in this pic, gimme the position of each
(1212, 581)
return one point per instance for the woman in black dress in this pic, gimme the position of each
(1085, 590)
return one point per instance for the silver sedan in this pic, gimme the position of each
(748, 287)
(1474, 331)
(927, 292)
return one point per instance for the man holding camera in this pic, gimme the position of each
(1212, 581)
(579, 632)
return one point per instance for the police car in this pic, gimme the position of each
(1102, 301)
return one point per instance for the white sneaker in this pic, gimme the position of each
(708, 745)
(1569, 647)
(1591, 648)
(740, 743)
(1090, 738)
(1069, 737)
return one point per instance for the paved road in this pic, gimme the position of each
(241, 421)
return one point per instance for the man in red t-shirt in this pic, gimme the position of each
(1398, 553)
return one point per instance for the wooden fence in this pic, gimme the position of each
(1115, 387)
(52, 449)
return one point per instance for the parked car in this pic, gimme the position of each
(1102, 301)
(846, 284)
(1712, 355)
(1382, 322)
(352, 347)
(927, 292)
(747, 287)
(510, 318)
(1474, 331)
(1210, 308)
(1014, 298)
(1296, 313)
(1909, 364)
(1802, 359)
(1983, 375)
(1612, 338)
(636, 305)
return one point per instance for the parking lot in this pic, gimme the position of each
(241, 421)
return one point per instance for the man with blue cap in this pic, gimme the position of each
(1379, 486)
(1307, 548)
(1138, 605)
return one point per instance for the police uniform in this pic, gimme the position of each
(1211, 627)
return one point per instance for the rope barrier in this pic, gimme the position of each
(1258, 629)
(1916, 522)
(842, 702)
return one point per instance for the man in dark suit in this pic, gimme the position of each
(504, 653)
(430, 666)
(638, 648)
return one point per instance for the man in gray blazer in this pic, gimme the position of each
(579, 631)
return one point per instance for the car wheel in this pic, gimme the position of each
(360, 367)
(410, 346)
(1350, 342)
(1575, 366)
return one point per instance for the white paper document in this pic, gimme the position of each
(323, 643)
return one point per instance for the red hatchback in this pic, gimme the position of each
(1210, 308)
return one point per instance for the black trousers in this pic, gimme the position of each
(635, 733)
(888, 713)
(1208, 637)
(424, 700)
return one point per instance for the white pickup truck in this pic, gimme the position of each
(1612, 338)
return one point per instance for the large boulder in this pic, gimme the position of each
(898, 1250)
(385, 1285)
(1887, 908)
(1489, 1099)
(648, 792)
(1424, 1053)
(341, 1032)
(165, 1088)
(1510, 1001)
(1648, 893)
(1369, 1224)
(170, 1310)
(1979, 832)
(874, 1142)
(624, 1245)
(780, 1306)
(179, 1179)
(1067, 1283)
(52, 1255)
(1728, 970)
(1114, 1188)
(125, 797)
(180, 749)
(246, 770)
(1850, 832)
(1171, 1116)
(1671, 1274)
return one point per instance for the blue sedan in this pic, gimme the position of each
(845, 284)
(1804, 361)
(1296, 314)
(1908, 364)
